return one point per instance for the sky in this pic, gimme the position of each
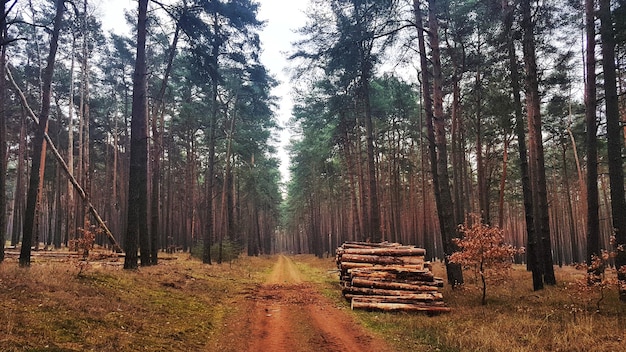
(282, 18)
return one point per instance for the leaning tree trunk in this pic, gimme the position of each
(38, 141)
(137, 228)
(615, 142)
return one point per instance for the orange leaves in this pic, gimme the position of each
(483, 249)
(483, 246)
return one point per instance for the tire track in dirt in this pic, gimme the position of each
(288, 314)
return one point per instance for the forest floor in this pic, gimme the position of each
(282, 303)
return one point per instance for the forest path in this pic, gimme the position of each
(287, 313)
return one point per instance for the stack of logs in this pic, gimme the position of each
(389, 277)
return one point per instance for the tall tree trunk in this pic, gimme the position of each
(570, 211)
(38, 141)
(543, 245)
(71, 204)
(157, 143)
(3, 132)
(531, 255)
(448, 227)
(433, 106)
(137, 227)
(615, 142)
(85, 117)
(593, 217)
(505, 164)
(18, 208)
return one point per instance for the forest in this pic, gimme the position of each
(410, 116)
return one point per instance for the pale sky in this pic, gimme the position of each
(281, 17)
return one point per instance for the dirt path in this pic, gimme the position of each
(288, 314)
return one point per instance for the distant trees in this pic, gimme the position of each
(90, 110)
(541, 195)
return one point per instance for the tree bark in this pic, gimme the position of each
(615, 142)
(433, 107)
(137, 227)
(593, 218)
(157, 143)
(3, 132)
(542, 246)
(445, 207)
(38, 141)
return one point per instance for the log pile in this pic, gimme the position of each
(389, 277)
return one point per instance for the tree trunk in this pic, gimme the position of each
(38, 141)
(3, 133)
(593, 217)
(137, 227)
(18, 207)
(543, 246)
(433, 106)
(615, 142)
(157, 143)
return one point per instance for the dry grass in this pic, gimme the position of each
(181, 305)
(514, 319)
(175, 306)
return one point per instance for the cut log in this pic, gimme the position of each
(389, 277)
(370, 245)
(417, 295)
(381, 259)
(390, 267)
(398, 307)
(393, 299)
(399, 251)
(388, 285)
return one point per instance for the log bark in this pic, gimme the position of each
(393, 299)
(396, 267)
(398, 306)
(417, 295)
(397, 251)
(386, 285)
(377, 259)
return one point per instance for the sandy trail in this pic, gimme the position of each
(286, 313)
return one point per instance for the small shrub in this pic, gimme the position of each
(483, 250)
(83, 245)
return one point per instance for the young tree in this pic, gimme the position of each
(483, 249)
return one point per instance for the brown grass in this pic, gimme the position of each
(180, 305)
(514, 319)
(175, 306)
